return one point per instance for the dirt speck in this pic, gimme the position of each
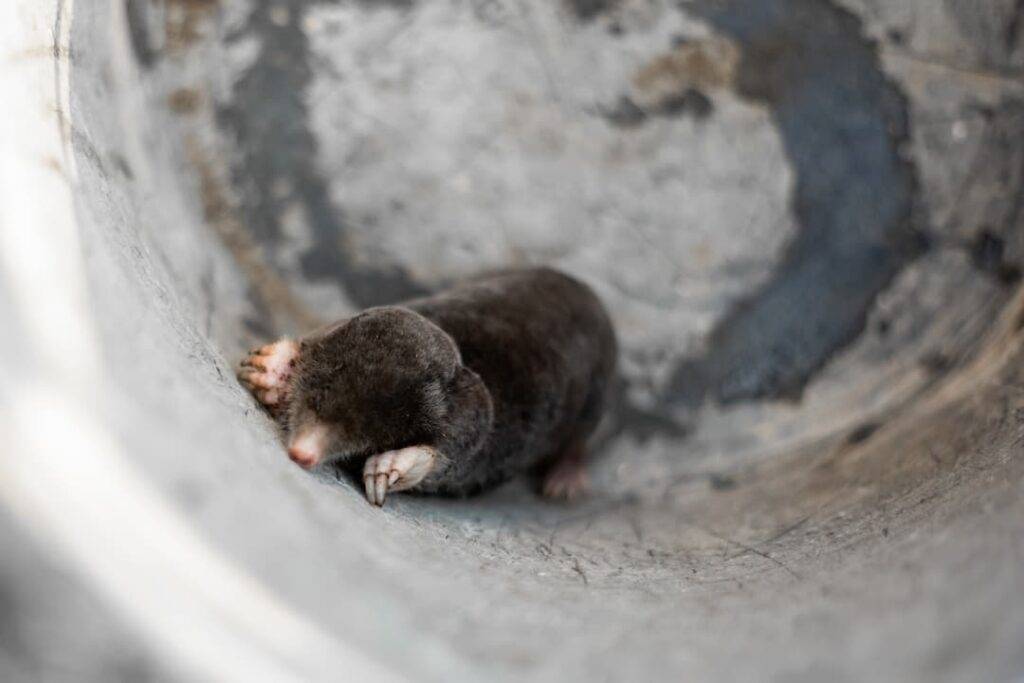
(936, 362)
(722, 482)
(184, 101)
(625, 114)
(693, 65)
(862, 433)
(184, 22)
(689, 102)
(988, 254)
(54, 164)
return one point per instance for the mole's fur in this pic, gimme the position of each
(500, 375)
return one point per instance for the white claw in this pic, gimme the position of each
(396, 471)
(368, 484)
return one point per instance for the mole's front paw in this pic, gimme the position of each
(396, 471)
(267, 371)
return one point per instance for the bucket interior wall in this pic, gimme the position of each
(806, 218)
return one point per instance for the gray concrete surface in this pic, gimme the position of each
(807, 218)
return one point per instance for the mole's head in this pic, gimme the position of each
(376, 382)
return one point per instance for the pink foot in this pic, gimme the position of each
(567, 478)
(266, 372)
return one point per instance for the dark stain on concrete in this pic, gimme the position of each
(588, 10)
(268, 118)
(883, 327)
(387, 4)
(122, 165)
(1013, 35)
(862, 433)
(722, 482)
(642, 423)
(690, 102)
(842, 124)
(936, 363)
(628, 114)
(896, 36)
(137, 12)
(988, 254)
(624, 114)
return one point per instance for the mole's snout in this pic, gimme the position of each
(303, 458)
(306, 447)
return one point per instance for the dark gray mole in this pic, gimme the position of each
(503, 374)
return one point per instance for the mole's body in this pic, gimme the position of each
(500, 375)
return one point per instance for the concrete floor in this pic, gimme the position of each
(805, 216)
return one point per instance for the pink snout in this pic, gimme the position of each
(308, 445)
(303, 458)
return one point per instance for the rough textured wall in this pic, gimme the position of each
(805, 216)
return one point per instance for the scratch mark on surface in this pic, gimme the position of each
(756, 551)
(579, 570)
(788, 530)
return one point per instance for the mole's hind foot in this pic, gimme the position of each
(396, 471)
(267, 373)
(566, 479)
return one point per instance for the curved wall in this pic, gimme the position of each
(805, 217)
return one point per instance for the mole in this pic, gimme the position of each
(501, 375)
